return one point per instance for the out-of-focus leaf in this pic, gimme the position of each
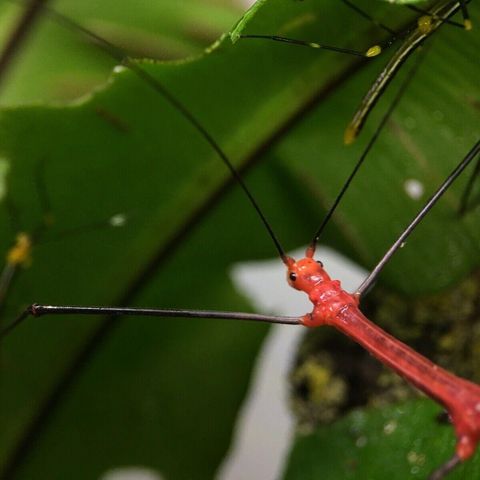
(60, 65)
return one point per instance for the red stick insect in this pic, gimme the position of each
(335, 307)
(351, 302)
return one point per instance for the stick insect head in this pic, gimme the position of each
(306, 273)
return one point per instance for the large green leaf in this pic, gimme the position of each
(79, 396)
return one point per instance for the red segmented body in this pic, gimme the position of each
(338, 308)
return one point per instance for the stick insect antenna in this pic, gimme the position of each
(121, 56)
(371, 143)
(418, 218)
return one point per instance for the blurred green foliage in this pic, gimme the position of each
(79, 396)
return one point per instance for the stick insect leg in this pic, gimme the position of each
(36, 310)
(446, 468)
(471, 155)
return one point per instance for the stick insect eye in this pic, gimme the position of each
(292, 276)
